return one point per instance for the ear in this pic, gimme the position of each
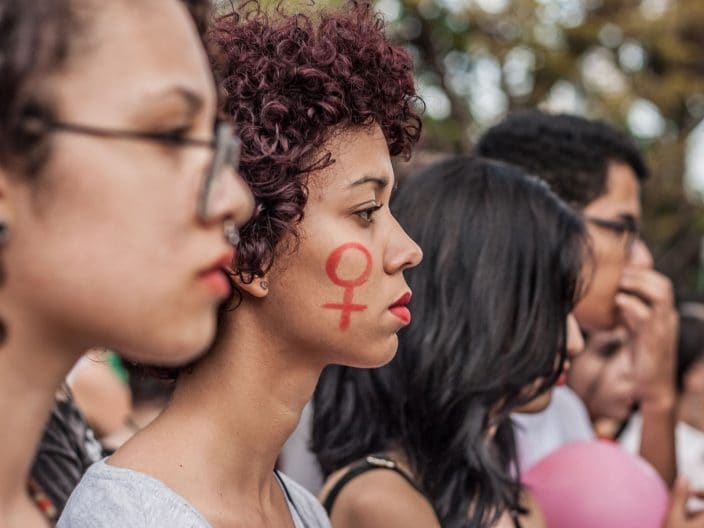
(258, 287)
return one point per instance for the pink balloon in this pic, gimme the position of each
(596, 484)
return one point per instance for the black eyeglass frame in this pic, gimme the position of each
(626, 226)
(225, 146)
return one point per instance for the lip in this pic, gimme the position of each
(215, 277)
(562, 380)
(225, 261)
(400, 308)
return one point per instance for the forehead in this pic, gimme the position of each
(622, 196)
(131, 50)
(358, 153)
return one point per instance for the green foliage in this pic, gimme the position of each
(606, 59)
(478, 59)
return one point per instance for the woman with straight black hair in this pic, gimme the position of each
(491, 333)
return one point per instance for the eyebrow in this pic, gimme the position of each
(628, 217)
(379, 181)
(193, 100)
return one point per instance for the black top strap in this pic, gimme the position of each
(369, 463)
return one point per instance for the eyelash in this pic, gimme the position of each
(609, 351)
(367, 215)
(174, 135)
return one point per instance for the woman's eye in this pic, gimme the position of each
(367, 215)
(175, 135)
(609, 350)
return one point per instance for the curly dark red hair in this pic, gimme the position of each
(290, 82)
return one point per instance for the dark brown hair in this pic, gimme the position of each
(290, 83)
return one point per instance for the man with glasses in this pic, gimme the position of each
(599, 171)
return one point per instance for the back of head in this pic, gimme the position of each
(571, 153)
(502, 257)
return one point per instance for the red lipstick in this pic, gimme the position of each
(400, 308)
(562, 380)
(215, 277)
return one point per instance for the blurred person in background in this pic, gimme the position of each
(93, 402)
(604, 379)
(100, 388)
(322, 103)
(113, 208)
(117, 397)
(427, 439)
(689, 433)
(599, 171)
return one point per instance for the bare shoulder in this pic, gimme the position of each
(379, 498)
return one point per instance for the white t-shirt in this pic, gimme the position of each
(565, 420)
(689, 444)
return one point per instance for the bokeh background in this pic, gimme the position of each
(638, 64)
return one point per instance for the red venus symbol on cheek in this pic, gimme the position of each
(347, 306)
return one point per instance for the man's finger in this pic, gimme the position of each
(650, 285)
(678, 503)
(635, 312)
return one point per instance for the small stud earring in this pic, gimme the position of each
(264, 285)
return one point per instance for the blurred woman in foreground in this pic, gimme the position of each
(114, 195)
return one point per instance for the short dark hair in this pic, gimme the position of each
(35, 40)
(569, 152)
(690, 345)
(500, 274)
(292, 81)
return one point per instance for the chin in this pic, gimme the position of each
(374, 357)
(174, 348)
(621, 413)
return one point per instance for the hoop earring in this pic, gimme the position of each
(264, 284)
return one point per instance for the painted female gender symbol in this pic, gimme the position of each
(347, 306)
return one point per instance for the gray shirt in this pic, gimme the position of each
(114, 497)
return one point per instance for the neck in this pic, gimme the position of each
(239, 404)
(689, 410)
(32, 368)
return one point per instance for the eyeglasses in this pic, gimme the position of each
(626, 227)
(225, 146)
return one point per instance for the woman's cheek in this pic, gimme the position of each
(348, 266)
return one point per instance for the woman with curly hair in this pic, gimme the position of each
(426, 440)
(321, 104)
(114, 197)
